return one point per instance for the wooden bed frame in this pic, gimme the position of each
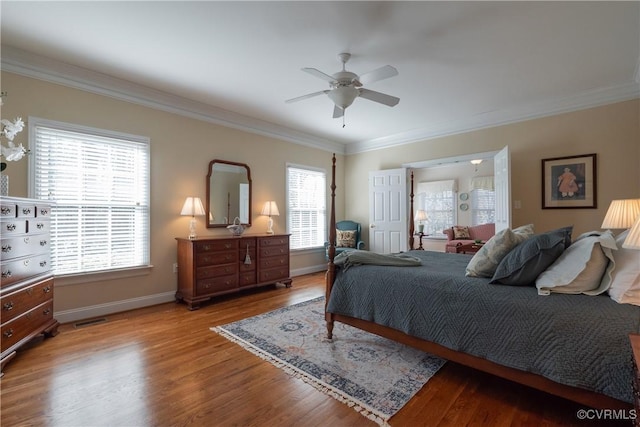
(584, 397)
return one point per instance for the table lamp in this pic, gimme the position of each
(271, 209)
(192, 206)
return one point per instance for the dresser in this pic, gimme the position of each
(26, 284)
(213, 266)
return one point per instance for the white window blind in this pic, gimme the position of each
(438, 200)
(306, 203)
(99, 181)
(482, 200)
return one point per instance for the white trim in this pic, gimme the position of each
(42, 68)
(73, 315)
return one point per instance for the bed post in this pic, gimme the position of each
(331, 267)
(411, 225)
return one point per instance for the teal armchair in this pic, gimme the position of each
(349, 240)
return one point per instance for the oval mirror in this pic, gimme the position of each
(228, 194)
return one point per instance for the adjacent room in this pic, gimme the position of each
(319, 213)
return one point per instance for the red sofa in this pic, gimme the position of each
(477, 232)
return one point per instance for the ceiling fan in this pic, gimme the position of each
(346, 86)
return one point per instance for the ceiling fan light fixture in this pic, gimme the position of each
(343, 96)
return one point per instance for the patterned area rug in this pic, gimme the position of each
(374, 375)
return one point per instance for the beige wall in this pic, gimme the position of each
(181, 149)
(612, 132)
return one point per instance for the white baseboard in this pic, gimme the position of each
(73, 315)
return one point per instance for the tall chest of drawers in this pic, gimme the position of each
(26, 283)
(208, 267)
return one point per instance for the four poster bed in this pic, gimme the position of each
(572, 346)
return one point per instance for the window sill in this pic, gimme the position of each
(100, 276)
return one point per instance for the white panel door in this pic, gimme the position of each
(502, 180)
(388, 211)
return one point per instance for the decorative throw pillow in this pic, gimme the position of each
(625, 277)
(486, 260)
(522, 265)
(345, 238)
(461, 232)
(581, 267)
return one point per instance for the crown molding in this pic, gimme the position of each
(24, 63)
(38, 67)
(584, 100)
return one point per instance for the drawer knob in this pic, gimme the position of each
(43, 263)
(46, 289)
(46, 311)
(11, 227)
(43, 243)
(40, 226)
(8, 333)
(44, 212)
(6, 248)
(6, 274)
(5, 210)
(26, 211)
(8, 306)
(26, 262)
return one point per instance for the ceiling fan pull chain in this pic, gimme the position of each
(343, 114)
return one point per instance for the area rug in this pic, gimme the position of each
(373, 375)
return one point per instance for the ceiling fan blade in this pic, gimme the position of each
(379, 97)
(319, 74)
(378, 74)
(337, 112)
(310, 95)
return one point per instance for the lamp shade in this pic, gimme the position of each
(421, 215)
(270, 208)
(622, 213)
(193, 207)
(633, 238)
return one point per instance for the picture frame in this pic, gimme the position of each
(570, 182)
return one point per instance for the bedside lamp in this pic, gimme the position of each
(633, 238)
(271, 209)
(622, 214)
(192, 206)
(420, 217)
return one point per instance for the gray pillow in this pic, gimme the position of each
(486, 260)
(524, 263)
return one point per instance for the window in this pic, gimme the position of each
(99, 181)
(482, 200)
(306, 202)
(438, 200)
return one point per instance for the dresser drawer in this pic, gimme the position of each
(26, 210)
(276, 261)
(38, 226)
(22, 268)
(17, 329)
(13, 227)
(15, 247)
(216, 284)
(215, 258)
(270, 251)
(274, 241)
(274, 274)
(216, 271)
(216, 246)
(24, 299)
(247, 278)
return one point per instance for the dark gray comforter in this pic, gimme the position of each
(576, 340)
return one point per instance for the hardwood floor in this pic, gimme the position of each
(162, 366)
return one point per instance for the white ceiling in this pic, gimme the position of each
(462, 65)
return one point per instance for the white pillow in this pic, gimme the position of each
(485, 262)
(581, 267)
(625, 277)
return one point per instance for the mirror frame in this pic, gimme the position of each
(209, 175)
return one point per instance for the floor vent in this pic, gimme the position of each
(90, 322)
